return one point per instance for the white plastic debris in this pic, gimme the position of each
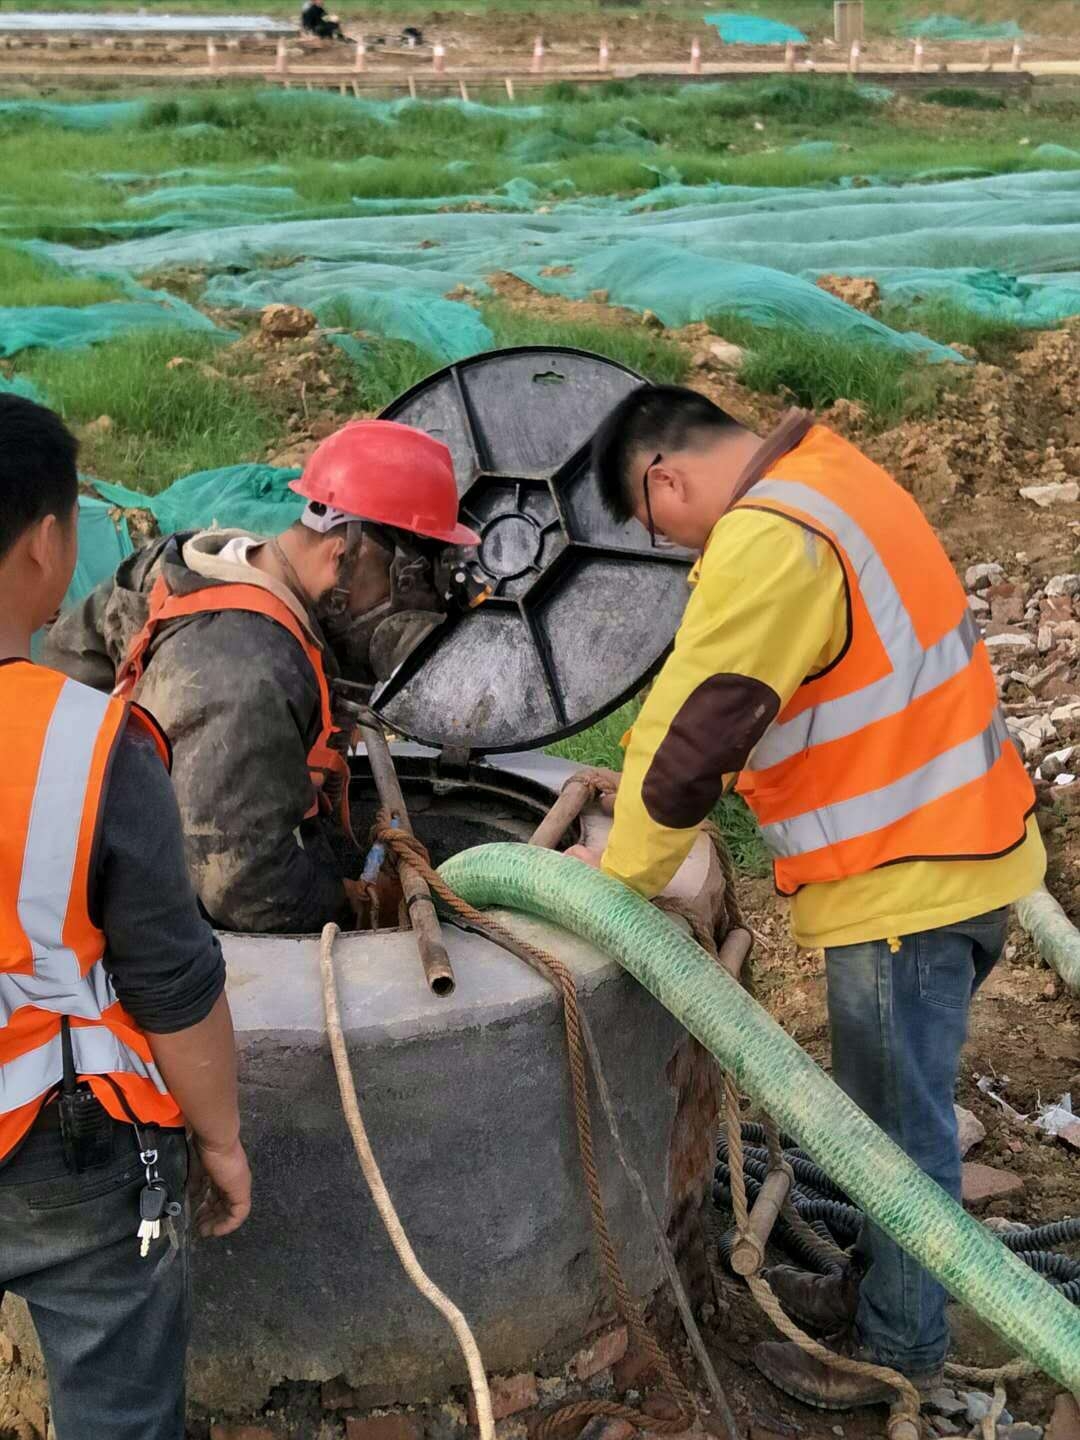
(1055, 1118)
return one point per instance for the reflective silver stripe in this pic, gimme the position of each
(864, 814)
(52, 838)
(915, 671)
(835, 719)
(97, 1051)
(87, 999)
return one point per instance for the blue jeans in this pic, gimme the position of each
(113, 1327)
(898, 1023)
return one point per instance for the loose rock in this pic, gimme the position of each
(1063, 493)
(972, 1131)
(286, 322)
(982, 1183)
(981, 577)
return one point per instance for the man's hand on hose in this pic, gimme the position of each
(220, 1185)
(582, 852)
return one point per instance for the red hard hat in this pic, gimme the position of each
(390, 473)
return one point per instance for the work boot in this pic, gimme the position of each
(813, 1382)
(820, 1302)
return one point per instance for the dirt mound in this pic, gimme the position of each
(858, 291)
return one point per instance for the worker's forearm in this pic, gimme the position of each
(199, 1067)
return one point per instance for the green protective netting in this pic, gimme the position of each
(117, 114)
(244, 497)
(250, 199)
(738, 29)
(18, 385)
(103, 542)
(85, 115)
(70, 327)
(1002, 245)
(1050, 151)
(952, 27)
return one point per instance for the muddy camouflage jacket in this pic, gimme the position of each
(239, 703)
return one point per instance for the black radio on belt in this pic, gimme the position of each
(86, 1127)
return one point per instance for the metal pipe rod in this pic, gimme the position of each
(748, 1252)
(562, 814)
(421, 907)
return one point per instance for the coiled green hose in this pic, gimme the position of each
(768, 1065)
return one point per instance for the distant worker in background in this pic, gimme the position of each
(232, 641)
(828, 658)
(115, 1031)
(314, 20)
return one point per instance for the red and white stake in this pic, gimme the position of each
(918, 55)
(211, 53)
(281, 64)
(605, 54)
(438, 57)
(361, 55)
(789, 57)
(695, 57)
(537, 56)
(855, 58)
(1016, 54)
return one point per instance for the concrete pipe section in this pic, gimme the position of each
(468, 1105)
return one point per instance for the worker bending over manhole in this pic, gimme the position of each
(828, 657)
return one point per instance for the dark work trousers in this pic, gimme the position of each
(898, 1023)
(113, 1327)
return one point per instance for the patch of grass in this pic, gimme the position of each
(599, 745)
(950, 324)
(387, 369)
(25, 280)
(633, 346)
(165, 423)
(964, 98)
(816, 370)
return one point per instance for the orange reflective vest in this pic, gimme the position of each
(898, 750)
(58, 738)
(323, 760)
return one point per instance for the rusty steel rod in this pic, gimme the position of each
(421, 907)
(748, 1252)
(562, 814)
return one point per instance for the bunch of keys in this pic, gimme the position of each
(154, 1202)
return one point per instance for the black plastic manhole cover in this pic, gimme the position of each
(583, 609)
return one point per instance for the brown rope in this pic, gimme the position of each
(410, 852)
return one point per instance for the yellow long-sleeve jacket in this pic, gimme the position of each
(767, 610)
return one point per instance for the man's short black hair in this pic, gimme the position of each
(656, 418)
(38, 472)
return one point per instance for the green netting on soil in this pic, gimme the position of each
(70, 327)
(735, 28)
(74, 115)
(18, 385)
(103, 542)
(245, 497)
(952, 27)
(1003, 245)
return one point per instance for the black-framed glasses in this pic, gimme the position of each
(648, 503)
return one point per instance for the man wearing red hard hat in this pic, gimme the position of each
(230, 640)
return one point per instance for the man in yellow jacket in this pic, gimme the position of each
(828, 658)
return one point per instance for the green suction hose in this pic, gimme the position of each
(768, 1065)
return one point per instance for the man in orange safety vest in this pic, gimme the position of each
(828, 658)
(115, 1031)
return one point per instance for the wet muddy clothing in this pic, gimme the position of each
(240, 705)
